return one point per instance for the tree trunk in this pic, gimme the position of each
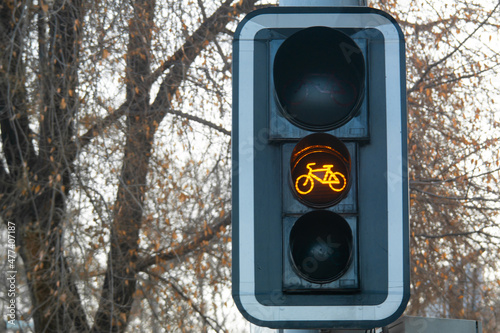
(120, 281)
(41, 182)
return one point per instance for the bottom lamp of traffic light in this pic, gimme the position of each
(321, 246)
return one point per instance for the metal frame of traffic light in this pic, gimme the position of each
(262, 142)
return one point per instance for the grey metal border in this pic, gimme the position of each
(395, 164)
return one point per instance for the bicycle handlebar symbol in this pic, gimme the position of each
(305, 183)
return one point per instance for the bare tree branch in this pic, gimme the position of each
(416, 85)
(203, 237)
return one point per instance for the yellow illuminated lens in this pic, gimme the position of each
(320, 173)
(334, 179)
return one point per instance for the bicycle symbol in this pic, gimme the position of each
(305, 183)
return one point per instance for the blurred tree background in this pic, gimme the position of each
(115, 161)
(454, 133)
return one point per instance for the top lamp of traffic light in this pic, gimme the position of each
(319, 78)
(320, 169)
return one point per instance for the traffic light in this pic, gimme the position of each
(320, 190)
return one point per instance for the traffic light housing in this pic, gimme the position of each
(320, 191)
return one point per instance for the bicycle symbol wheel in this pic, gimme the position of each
(304, 184)
(337, 182)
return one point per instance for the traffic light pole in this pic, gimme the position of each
(320, 331)
(321, 3)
